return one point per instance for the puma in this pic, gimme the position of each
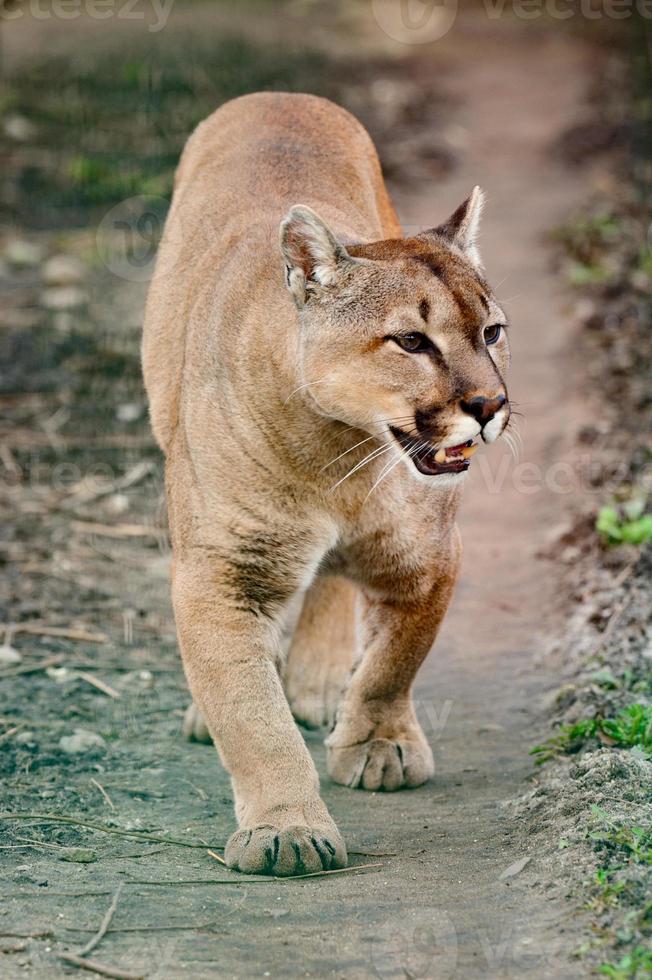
(318, 398)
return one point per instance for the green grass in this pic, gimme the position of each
(630, 728)
(635, 965)
(622, 846)
(629, 842)
(587, 242)
(627, 525)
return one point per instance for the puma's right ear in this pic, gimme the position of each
(312, 253)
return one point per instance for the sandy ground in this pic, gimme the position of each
(453, 896)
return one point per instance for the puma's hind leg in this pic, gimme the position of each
(194, 727)
(324, 651)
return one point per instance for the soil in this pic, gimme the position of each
(458, 888)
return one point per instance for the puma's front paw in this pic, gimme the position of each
(194, 727)
(266, 849)
(381, 763)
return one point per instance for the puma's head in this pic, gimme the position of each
(402, 338)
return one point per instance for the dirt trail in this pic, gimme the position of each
(439, 907)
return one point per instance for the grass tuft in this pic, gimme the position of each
(630, 728)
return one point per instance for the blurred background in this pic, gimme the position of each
(97, 99)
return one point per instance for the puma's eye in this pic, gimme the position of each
(492, 333)
(413, 343)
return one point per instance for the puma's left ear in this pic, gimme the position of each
(313, 255)
(462, 227)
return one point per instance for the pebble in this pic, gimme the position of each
(19, 128)
(81, 741)
(63, 298)
(118, 503)
(129, 412)
(25, 738)
(63, 270)
(515, 868)
(9, 656)
(23, 253)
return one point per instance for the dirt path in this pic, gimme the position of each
(442, 906)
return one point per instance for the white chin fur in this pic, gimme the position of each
(441, 481)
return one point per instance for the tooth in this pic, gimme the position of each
(468, 451)
(440, 456)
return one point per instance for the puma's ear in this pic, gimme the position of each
(312, 253)
(462, 227)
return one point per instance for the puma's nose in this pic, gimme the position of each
(483, 409)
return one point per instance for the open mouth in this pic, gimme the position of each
(433, 461)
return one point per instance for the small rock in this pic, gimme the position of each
(19, 128)
(63, 298)
(63, 270)
(23, 253)
(118, 503)
(515, 868)
(9, 656)
(78, 855)
(25, 738)
(129, 412)
(81, 741)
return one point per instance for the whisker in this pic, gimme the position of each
(347, 451)
(510, 443)
(386, 471)
(410, 452)
(372, 455)
(513, 438)
(307, 384)
(380, 423)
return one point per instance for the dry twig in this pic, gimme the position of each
(100, 685)
(137, 835)
(240, 879)
(217, 857)
(79, 959)
(10, 732)
(117, 530)
(32, 668)
(65, 632)
(104, 925)
(101, 968)
(104, 793)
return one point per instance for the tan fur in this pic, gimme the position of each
(263, 399)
